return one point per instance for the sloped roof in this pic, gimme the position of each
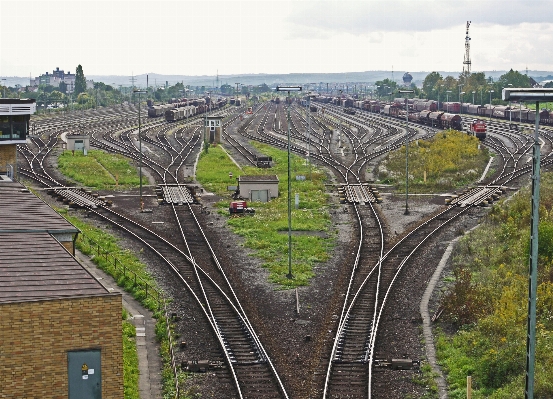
(34, 266)
(22, 211)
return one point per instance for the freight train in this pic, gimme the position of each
(513, 113)
(440, 119)
(419, 111)
(184, 108)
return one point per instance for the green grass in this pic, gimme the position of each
(99, 169)
(426, 378)
(451, 160)
(488, 303)
(266, 232)
(130, 362)
(125, 259)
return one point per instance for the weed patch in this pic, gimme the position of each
(98, 169)
(265, 232)
(447, 161)
(488, 303)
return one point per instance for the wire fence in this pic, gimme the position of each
(119, 269)
(142, 289)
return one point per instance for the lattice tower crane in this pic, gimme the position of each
(466, 62)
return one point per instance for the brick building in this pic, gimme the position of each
(60, 329)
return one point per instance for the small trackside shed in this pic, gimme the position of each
(78, 142)
(258, 188)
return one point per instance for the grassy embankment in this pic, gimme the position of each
(488, 303)
(266, 231)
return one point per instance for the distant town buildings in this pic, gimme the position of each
(55, 78)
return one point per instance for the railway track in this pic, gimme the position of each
(195, 264)
(193, 261)
(354, 365)
(357, 339)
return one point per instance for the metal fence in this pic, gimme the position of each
(121, 270)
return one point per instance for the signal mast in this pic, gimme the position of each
(466, 62)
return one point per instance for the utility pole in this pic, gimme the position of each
(309, 132)
(132, 79)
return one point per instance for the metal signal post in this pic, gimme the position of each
(537, 95)
(406, 150)
(289, 275)
(140, 145)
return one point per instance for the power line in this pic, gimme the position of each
(132, 79)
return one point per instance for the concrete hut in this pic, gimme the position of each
(78, 142)
(258, 188)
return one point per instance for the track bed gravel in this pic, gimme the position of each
(299, 343)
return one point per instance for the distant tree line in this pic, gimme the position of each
(468, 88)
(472, 88)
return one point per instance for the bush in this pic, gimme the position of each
(488, 301)
(448, 160)
(263, 231)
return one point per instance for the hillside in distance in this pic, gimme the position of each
(315, 80)
(272, 80)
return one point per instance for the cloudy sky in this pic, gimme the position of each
(239, 37)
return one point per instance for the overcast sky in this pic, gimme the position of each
(240, 37)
